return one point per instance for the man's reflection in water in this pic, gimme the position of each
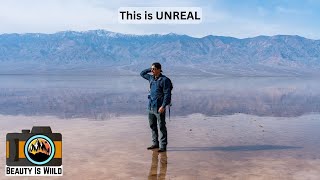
(153, 174)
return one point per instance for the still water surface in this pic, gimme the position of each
(227, 128)
(101, 97)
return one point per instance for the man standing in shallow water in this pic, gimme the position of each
(159, 98)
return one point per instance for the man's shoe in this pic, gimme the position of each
(153, 147)
(162, 150)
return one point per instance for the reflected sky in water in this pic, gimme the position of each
(102, 97)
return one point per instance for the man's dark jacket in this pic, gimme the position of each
(160, 90)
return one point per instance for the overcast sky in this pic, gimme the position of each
(245, 18)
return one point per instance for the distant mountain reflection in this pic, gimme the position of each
(105, 97)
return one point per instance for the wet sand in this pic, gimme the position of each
(229, 147)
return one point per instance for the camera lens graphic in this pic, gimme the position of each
(39, 149)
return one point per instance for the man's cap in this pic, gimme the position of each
(157, 65)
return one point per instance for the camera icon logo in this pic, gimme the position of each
(35, 153)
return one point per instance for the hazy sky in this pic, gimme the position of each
(237, 18)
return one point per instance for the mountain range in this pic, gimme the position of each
(105, 52)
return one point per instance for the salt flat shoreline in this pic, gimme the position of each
(238, 146)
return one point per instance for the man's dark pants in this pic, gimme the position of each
(154, 119)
